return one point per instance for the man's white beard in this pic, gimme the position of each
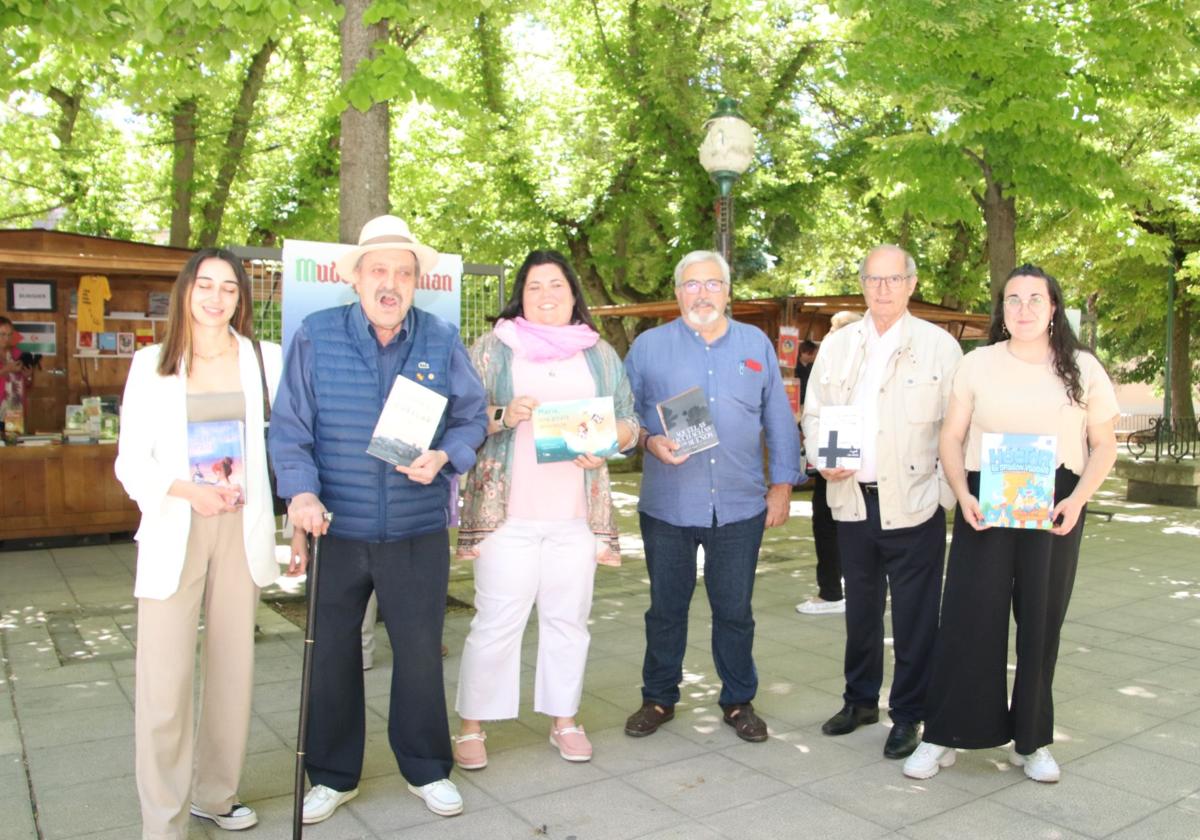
(698, 320)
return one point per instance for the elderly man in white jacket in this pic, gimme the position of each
(896, 370)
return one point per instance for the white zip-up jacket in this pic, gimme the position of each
(911, 403)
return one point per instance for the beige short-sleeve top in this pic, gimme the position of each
(1005, 394)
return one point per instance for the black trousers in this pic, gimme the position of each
(824, 528)
(990, 573)
(909, 561)
(409, 577)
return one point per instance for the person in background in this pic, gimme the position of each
(717, 499)
(15, 377)
(536, 531)
(829, 599)
(389, 531)
(995, 571)
(200, 546)
(891, 529)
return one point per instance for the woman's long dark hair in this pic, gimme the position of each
(1063, 343)
(177, 340)
(515, 305)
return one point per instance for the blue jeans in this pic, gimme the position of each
(730, 557)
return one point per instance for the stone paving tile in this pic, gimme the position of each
(705, 784)
(72, 764)
(15, 814)
(275, 823)
(799, 757)
(533, 770)
(792, 814)
(1175, 738)
(497, 823)
(1086, 806)
(984, 818)
(90, 807)
(1148, 774)
(609, 809)
(1168, 824)
(684, 829)
(1104, 719)
(882, 794)
(69, 697)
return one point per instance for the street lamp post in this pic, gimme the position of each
(726, 153)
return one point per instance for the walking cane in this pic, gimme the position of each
(310, 632)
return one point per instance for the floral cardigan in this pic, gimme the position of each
(485, 488)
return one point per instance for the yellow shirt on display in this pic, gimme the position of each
(93, 292)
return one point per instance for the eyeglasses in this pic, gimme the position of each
(890, 281)
(1034, 303)
(693, 286)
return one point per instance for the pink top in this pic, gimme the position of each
(12, 385)
(547, 491)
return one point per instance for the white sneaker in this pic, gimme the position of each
(441, 797)
(815, 606)
(321, 801)
(1039, 766)
(927, 760)
(239, 816)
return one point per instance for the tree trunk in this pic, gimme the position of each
(183, 153)
(363, 183)
(1000, 217)
(1181, 358)
(235, 144)
(954, 268)
(69, 104)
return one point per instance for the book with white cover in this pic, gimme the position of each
(408, 422)
(839, 438)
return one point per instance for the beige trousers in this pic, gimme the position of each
(180, 761)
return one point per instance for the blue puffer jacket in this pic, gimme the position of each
(349, 377)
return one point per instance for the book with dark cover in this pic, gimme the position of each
(217, 454)
(686, 421)
(1016, 479)
(407, 424)
(566, 429)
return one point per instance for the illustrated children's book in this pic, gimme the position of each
(407, 424)
(216, 454)
(563, 430)
(685, 420)
(839, 438)
(1016, 480)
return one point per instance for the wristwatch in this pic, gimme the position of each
(498, 414)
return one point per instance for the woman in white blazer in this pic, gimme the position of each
(206, 538)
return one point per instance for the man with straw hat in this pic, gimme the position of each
(389, 530)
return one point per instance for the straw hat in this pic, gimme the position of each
(386, 233)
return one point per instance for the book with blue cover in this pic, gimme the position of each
(1016, 479)
(566, 429)
(217, 454)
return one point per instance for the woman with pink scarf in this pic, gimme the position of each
(536, 531)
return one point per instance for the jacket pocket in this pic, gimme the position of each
(922, 397)
(921, 483)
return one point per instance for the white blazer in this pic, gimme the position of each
(152, 454)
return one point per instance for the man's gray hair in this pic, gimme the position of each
(910, 265)
(700, 257)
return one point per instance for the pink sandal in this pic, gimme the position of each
(469, 751)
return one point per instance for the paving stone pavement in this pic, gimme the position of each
(1127, 727)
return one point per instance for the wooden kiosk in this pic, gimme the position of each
(65, 490)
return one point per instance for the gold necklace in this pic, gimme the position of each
(210, 357)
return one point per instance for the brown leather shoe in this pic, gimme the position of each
(646, 720)
(747, 725)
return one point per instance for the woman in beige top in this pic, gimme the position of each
(1032, 378)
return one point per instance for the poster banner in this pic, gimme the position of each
(311, 283)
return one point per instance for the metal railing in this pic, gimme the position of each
(1165, 438)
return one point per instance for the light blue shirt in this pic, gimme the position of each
(739, 373)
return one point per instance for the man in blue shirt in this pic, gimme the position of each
(716, 499)
(389, 530)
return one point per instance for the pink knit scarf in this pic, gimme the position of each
(542, 343)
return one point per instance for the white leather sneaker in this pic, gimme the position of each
(1039, 766)
(815, 606)
(441, 797)
(927, 760)
(321, 801)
